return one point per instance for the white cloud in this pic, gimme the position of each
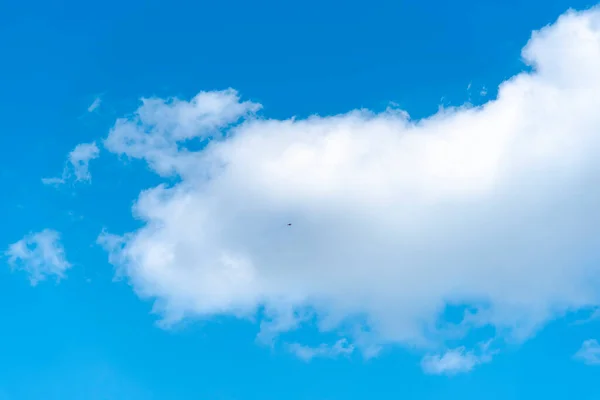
(77, 164)
(95, 104)
(392, 219)
(456, 361)
(307, 353)
(80, 158)
(451, 362)
(55, 181)
(160, 126)
(40, 254)
(589, 353)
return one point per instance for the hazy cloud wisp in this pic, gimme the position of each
(40, 255)
(77, 165)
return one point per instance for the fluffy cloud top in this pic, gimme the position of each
(39, 254)
(77, 164)
(393, 220)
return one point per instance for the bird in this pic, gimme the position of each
(289, 224)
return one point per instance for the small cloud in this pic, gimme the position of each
(455, 361)
(95, 104)
(54, 181)
(589, 353)
(307, 353)
(483, 91)
(80, 158)
(77, 165)
(40, 255)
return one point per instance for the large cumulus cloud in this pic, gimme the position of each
(495, 207)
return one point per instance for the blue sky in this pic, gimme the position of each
(461, 266)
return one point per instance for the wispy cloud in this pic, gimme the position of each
(77, 165)
(307, 353)
(589, 353)
(95, 104)
(593, 316)
(55, 181)
(40, 254)
(456, 361)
